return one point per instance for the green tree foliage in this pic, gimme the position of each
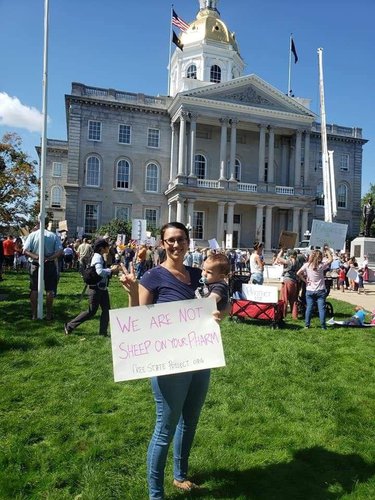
(18, 182)
(365, 198)
(115, 227)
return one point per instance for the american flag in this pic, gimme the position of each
(177, 21)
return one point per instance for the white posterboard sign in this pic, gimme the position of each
(161, 339)
(139, 230)
(214, 245)
(229, 241)
(352, 274)
(273, 272)
(192, 245)
(332, 234)
(261, 293)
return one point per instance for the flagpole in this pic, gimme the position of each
(42, 215)
(170, 51)
(290, 65)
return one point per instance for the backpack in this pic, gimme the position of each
(90, 276)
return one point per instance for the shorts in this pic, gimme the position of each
(50, 276)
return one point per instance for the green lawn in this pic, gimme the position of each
(290, 417)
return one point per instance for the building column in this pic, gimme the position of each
(193, 136)
(233, 146)
(297, 159)
(223, 146)
(259, 223)
(173, 165)
(271, 156)
(180, 209)
(305, 220)
(230, 214)
(295, 226)
(268, 233)
(262, 152)
(182, 144)
(171, 211)
(306, 163)
(220, 222)
(190, 212)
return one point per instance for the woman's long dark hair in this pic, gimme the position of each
(175, 225)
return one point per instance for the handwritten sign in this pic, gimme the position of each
(162, 339)
(261, 293)
(332, 234)
(287, 239)
(273, 272)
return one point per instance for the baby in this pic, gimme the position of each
(214, 275)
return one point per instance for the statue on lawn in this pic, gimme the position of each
(368, 217)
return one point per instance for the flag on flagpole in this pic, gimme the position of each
(177, 21)
(177, 41)
(293, 49)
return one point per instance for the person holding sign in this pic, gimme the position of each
(312, 273)
(179, 398)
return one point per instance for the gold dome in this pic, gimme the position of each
(208, 26)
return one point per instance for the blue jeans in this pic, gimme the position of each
(257, 278)
(318, 297)
(179, 399)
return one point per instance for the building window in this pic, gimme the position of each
(151, 216)
(123, 175)
(266, 172)
(56, 169)
(215, 74)
(122, 213)
(56, 197)
(92, 171)
(344, 163)
(153, 137)
(342, 196)
(95, 131)
(124, 134)
(192, 72)
(319, 195)
(319, 160)
(152, 178)
(198, 226)
(237, 170)
(200, 166)
(91, 218)
(236, 218)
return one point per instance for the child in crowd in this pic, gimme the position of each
(214, 281)
(359, 281)
(341, 279)
(357, 319)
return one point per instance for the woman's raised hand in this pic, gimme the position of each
(128, 279)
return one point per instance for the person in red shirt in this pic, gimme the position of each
(9, 250)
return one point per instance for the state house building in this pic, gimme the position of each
(225, 153)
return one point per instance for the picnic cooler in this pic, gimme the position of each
(247, 309)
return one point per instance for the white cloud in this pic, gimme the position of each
(15, 114)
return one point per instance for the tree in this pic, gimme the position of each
(366, 197)
(18, 182)
(115, 227)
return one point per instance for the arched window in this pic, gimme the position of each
(200, 166)
(56, 196)
(215, 74)
(93, 171)
(152, 178)
(237, 170)
(342, 196)
(192, 72)
(123, 174)
(320, 195)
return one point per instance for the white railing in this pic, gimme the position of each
(247, 188)
(284, 190)
(207, 183)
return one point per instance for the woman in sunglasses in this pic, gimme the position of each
(179, 397)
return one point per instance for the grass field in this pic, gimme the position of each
(290, 417)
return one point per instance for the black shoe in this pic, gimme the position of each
(66, 329)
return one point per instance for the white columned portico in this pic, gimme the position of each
(220, 222)
(180, 209)
(295, 226)
(182, 144)
(297, 159)
(262, 152)
(230, 214)
(233, 146)
(259, 222)
(268, 232)
(171, 211)
(193, 137)
(223, 146)
(271, 155)
(173, 165)
(305, 219)
(306, 163)
(190, 211)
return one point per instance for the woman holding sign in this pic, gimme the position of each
(179, 397)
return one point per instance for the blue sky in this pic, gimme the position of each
(124, 44)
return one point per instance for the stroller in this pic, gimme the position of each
(301, 304)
